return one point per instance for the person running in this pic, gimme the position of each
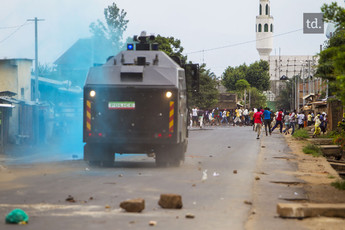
(317, 126)
(287, 124)
(267, 120)
(258, 123)
(293, 121)
(251, 116)
(279, 119)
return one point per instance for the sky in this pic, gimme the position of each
(202, 26)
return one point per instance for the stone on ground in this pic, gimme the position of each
(135, 205)
(170, 201)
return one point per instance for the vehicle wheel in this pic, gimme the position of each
(99, 155)
(171, 155)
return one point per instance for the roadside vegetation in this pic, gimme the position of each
(340, 184)
(300, 134)
(314, 150)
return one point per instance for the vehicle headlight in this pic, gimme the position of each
(168, 94)
(92, 93)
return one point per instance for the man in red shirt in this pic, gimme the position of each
(279, 120)
(258, 122)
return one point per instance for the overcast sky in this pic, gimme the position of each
(199, 24)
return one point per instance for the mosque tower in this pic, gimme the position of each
(264, 30)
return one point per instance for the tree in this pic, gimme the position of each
(208, 93)
(171, 46)
(207, 96)
(257, 98)
(332, 62)
(285, 96)
(232, 75)
(110, 33)
(241, 85)
(257, 75)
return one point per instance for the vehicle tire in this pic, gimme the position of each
(98, 155)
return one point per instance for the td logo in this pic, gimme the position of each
(313, 23)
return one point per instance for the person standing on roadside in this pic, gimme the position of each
(267, 120)
(300, 119)
(258, 123)
(194, 116)
(279, 119)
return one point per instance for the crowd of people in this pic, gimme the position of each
(259, 118)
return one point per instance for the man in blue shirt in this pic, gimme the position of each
(267, 120)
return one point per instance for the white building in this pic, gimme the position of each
(264, 30)
(281, 66)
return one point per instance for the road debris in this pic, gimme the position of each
(87, 169)
(132, 222)
(303, 210)
(91, 198)
(170, 201)
(135, 205)
(190, 216)
(257, 178)
(120, 175)
(17, 216)
(216, 174)
(107, 207)
(153, 223)
(247, 202)
(193, 185)
(235, 171)
(204, 175)
(229, 147)
(70, 199)
(263, 146)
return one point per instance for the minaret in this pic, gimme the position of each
(264, 30)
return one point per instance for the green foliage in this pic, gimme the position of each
(208, 93)
(257, 98)
(332, 58)
(301, 134)
(286, 95)
(241, 85)
(171, 46)
(232, 75)
(334, 13)
(257, 75)
(314, 150)
(111, 33)
(340, 184)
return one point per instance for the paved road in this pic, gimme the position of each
(217, 203)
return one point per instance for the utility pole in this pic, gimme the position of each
(36, 97)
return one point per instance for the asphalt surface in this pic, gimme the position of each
(40, 182)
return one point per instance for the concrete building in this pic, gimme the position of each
(283, 67)
(15, 76)
(286, 67)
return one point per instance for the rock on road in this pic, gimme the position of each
(216, 202)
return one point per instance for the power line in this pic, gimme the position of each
(242, 43)
(9, 27)
(18, 28)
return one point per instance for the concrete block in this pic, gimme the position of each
(304, 210)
